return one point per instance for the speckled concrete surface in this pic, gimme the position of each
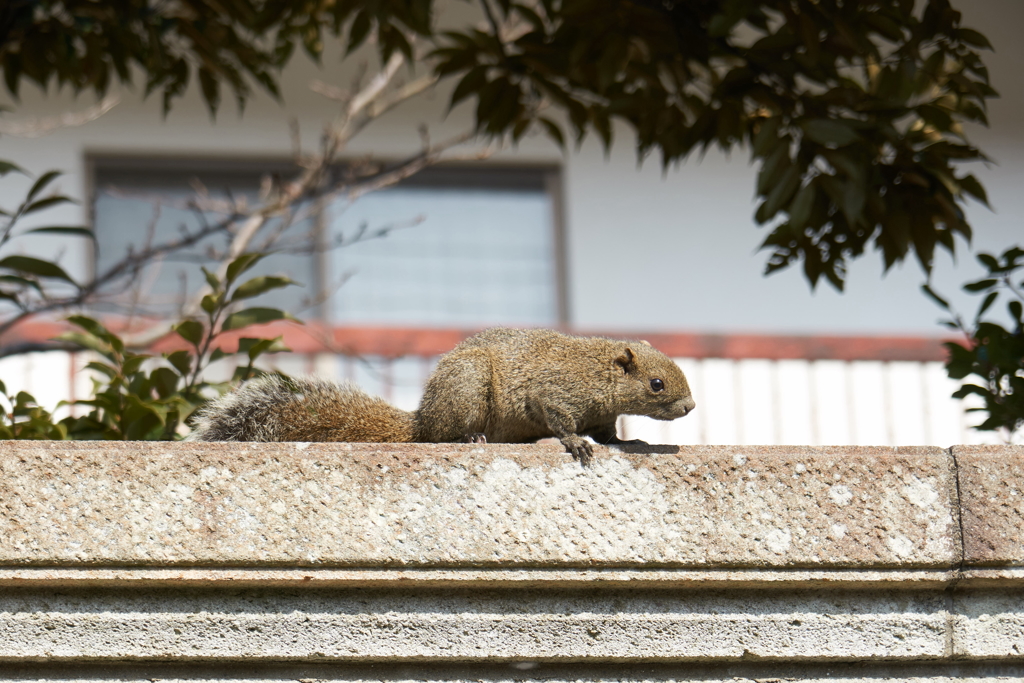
(515, 672)
(992, 495)
(277, 554)
(468, 626)
(464, 505)
(989, 624)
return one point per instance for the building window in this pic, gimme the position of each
(138, 203)
(462, 246)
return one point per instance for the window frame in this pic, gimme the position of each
(442, 175)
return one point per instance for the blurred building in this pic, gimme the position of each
(584, 241)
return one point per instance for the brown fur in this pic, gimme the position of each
(501, 385)
(271, 408)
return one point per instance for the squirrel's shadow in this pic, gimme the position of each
(644, 449)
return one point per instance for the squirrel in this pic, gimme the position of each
(500, 386)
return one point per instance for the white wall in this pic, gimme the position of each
(646, 251)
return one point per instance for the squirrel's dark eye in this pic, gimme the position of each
(657, 385)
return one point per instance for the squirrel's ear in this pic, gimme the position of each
(627, 361)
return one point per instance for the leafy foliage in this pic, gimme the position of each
(853, 109)
(28, 420)
(992, 352)
(25, 280)
(137, 396)
(86, 44)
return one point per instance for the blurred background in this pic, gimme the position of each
(584, 240)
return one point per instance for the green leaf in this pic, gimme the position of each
(39, 267)
(64, 230)
(141, 419)
(46, 203)
(260, 285)
(800, 209)
(772, 167)
(242, 264)
(99, 332)
(934, 297)
(181, 361)
(980, 285)
(830, 132)
(257, 347)
(191, 331)
(972, 37)
(21, 282)
(475, 79)
(108, 370)
(41, 183)
(554, 131)
(254, 316)
(210, 88)
(971, 186)
(211, 279)
(8, 167)
(132, 364)
(989, 261)
(767, 136)
(989, 300)
(1016, 309)
(358, 32)
(779, 195)
(210, 302)
(165, 381)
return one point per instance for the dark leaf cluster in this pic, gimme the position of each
(993, 353)
(854, 110)
(88, 44)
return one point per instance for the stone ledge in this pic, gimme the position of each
(458, 626)
(992, 494)
(456, 506)
(428, 555)
(56, 578)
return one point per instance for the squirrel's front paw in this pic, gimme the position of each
(580, 448)
(475, 437)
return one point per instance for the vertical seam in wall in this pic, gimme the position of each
(958, 567)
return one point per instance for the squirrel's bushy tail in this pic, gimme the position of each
(272, 408)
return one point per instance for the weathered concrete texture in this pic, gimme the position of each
(992, 501)
(391, 626)
(520, 670)
(513, 674)
(989, 624)
(508, 626)
(180, 578)
(79, 504)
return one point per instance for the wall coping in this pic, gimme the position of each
(525, 513)
(725, 561)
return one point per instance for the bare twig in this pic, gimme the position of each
(282, 204)
(44, 125)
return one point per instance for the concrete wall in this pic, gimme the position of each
(131, 561)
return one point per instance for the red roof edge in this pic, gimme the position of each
(393, 342)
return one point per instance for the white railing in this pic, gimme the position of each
(742, 402)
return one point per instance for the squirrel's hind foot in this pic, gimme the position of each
(475, 437)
